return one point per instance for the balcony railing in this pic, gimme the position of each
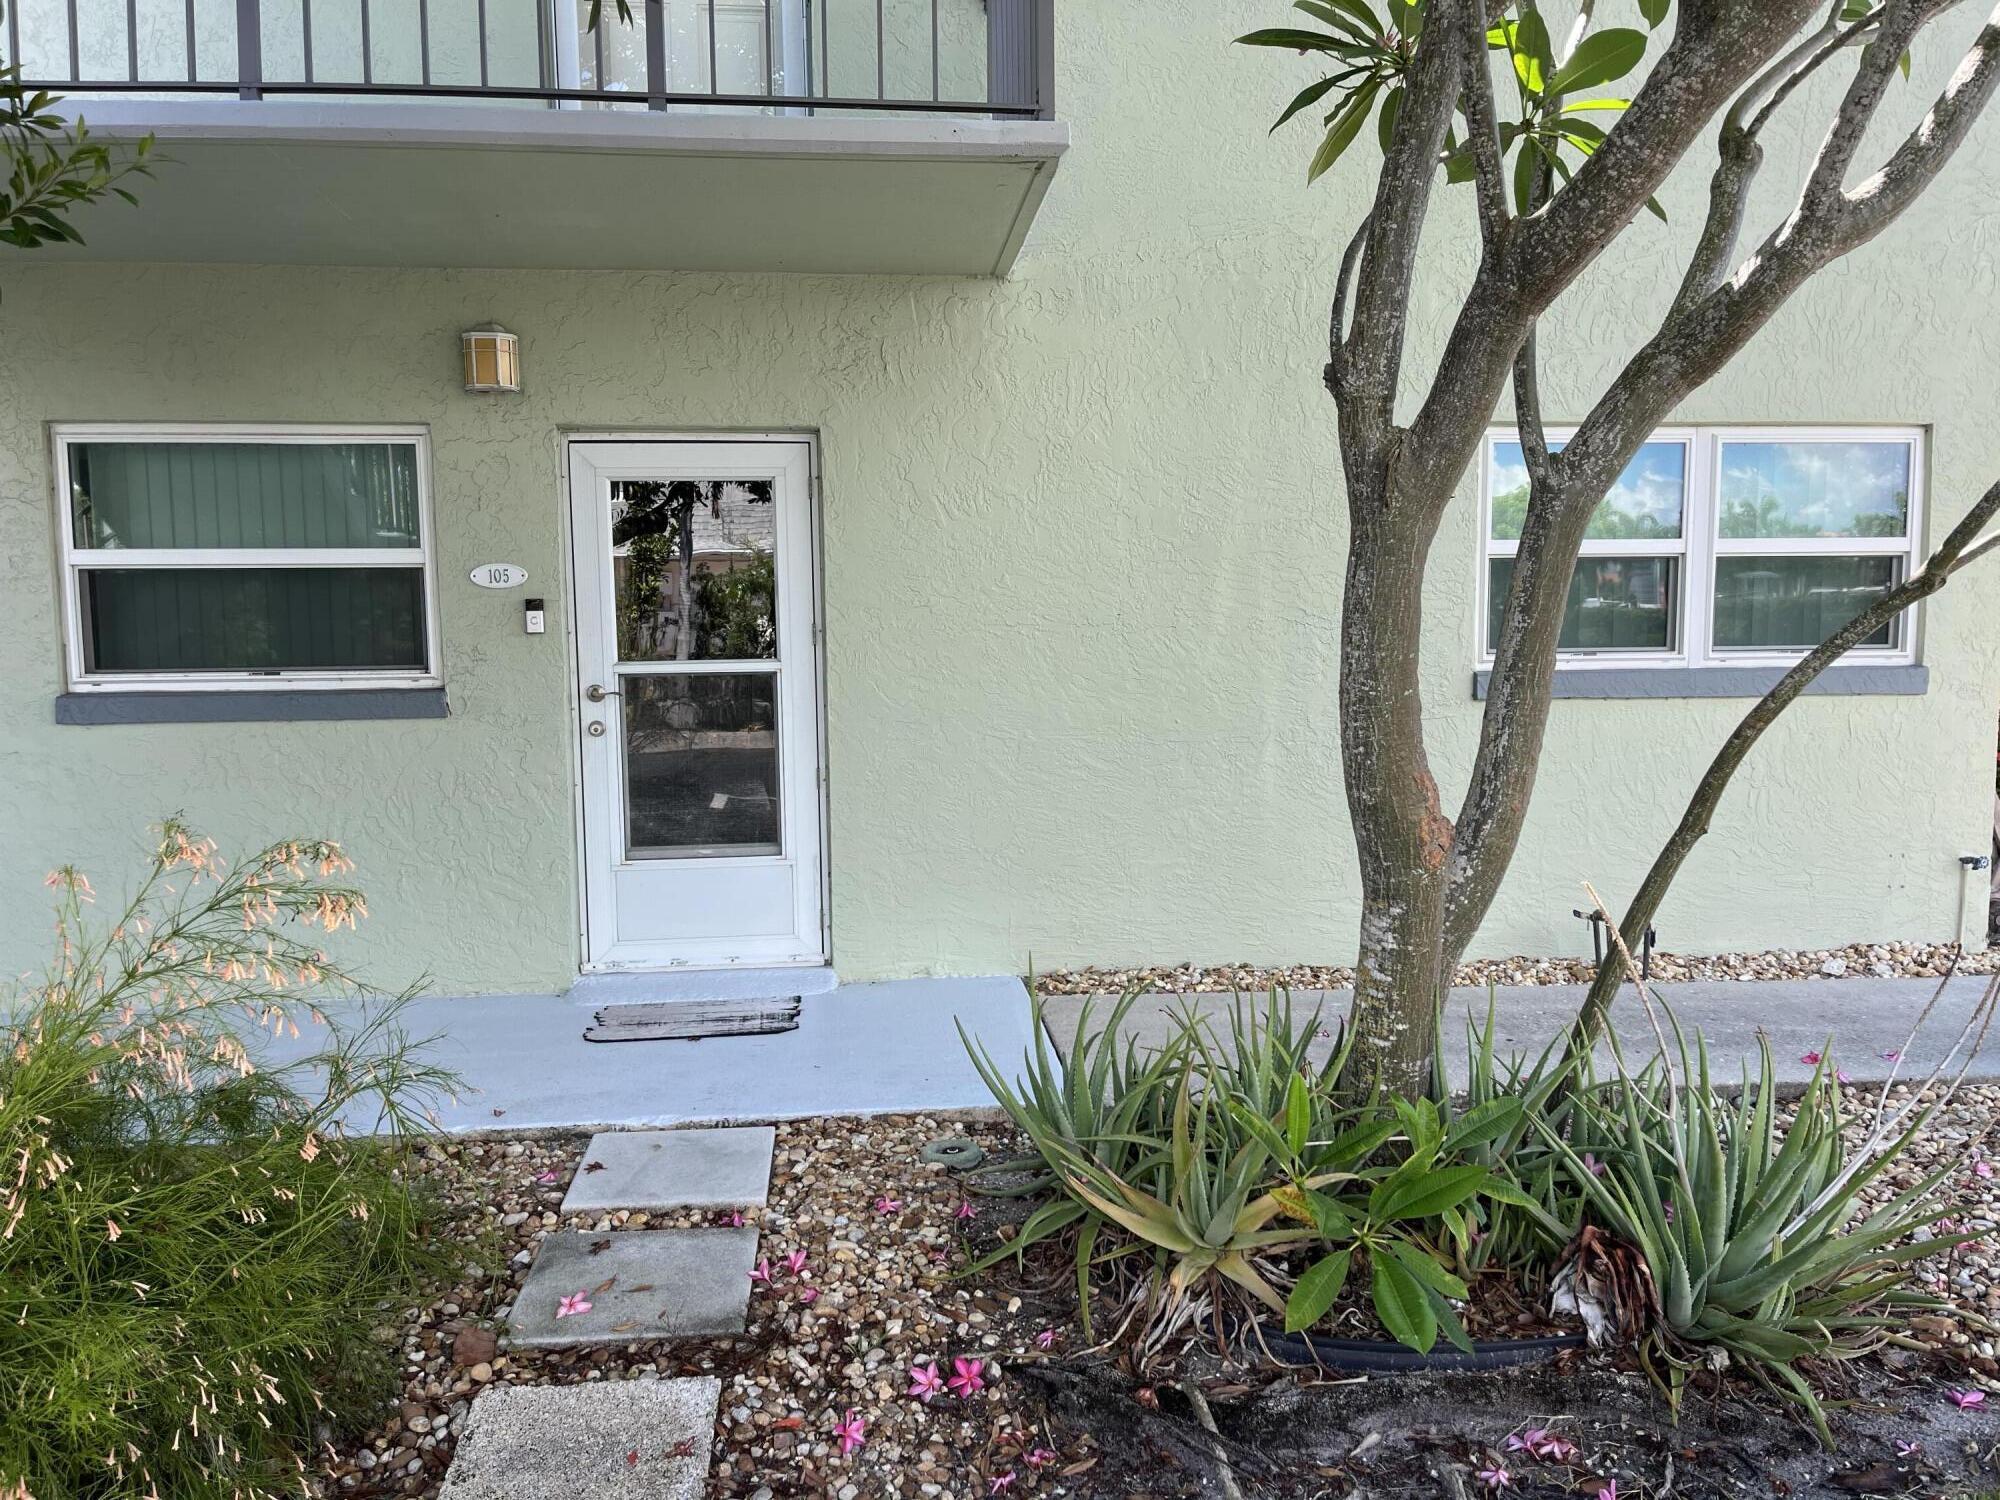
(990, 58)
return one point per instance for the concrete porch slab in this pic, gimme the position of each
(554, 1442)
(1863, 1018)
(861, 1049)
(701, 984)
(662, 1169)
(663, 1284)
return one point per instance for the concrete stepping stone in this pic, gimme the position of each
(607, 1440)
(652, 1170)
(640, 1284)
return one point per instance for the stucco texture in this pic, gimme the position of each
(1082, 552)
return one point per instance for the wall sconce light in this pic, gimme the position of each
(492, 359)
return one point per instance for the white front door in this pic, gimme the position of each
(698, 696)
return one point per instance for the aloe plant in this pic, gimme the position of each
(1758, 1240)
(1215, 1161)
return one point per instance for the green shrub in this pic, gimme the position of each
(1212, 1163)
(1757, 1240)
(196, 1254)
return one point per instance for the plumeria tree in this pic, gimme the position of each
(54, 166)
(1527, 106)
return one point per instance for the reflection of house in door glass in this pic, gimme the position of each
(692, 563)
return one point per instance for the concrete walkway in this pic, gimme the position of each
(1863, 1017)
(859, 1049)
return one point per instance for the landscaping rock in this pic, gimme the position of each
(632, 1441)
(652, 1170)
(474, 1346)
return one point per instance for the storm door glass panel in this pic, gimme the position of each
(701, 764)
(1784, 603)
(1615, 604)
(692, 563)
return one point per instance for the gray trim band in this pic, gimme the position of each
(1726, 682)
(250, 708)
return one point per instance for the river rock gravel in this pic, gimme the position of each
(882, 1233)
(1857, 960)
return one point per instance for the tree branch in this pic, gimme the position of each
(1958, 551)
(1371, 357)
(1336, 332)
(1697, 338)
(1482, 131)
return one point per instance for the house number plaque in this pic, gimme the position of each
(499, 575)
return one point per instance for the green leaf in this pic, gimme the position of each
(1526, 164)
(1426, 1195)
(1385, 123)
(1347, 123)
(1292, 39)
(1329, 1218)
(1402, 1306)
(1600, 57)
(1586, 106)
(1655, 11)
(1424, 1269)
(1348, 15)
(1316, 1291)
(1298, 1114)
(1310, 95)
(1533, 58)
(1482, 1123)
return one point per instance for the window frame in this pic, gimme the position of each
(73, 561)
(1701, 544)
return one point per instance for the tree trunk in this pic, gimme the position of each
(1402, 836)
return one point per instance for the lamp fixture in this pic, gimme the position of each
(492, 359)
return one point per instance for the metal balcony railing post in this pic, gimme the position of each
(249, 49)
(656, 53)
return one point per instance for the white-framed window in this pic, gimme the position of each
(245, 557)
(1723, 546)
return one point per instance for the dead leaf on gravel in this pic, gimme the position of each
(1883, 1478)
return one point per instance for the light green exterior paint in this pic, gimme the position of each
(1082, 554)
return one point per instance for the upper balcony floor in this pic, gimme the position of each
(885, 136)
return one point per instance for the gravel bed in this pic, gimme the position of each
(882, 1233)
(1857, 960)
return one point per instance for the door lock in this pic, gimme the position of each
(596, 730)
(596, 694)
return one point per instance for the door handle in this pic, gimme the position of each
(596, 694)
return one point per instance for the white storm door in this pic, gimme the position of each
(698, 698)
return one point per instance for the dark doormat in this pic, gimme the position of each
(690, 1020)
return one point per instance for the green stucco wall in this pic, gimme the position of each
(1083, 544)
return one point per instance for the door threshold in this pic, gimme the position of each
(640, 986)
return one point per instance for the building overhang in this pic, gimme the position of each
(517, 187)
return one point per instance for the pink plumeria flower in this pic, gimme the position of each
(852, 1433)
(1610, 1490)
(1908, 1450)
(573, 1305)
(887, 1205)
(1965, 1400)
(926, 1384)
(733, 1219)
(761, 1274)
(1894, 1054)
(1593, 1165)
(796, 1262)
(1810, 1059)
(1036, 1457)
(1001, 1482)
(1667, 1209)
(547, 1177)
(968, 1377)
(1046, 1339)
(1534, 1442)
(966, 1210)
(809, 1294)
(1495, 1478)
(1840, 1076)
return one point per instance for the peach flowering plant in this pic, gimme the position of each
(203, 1202)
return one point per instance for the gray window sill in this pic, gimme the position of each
(1725, 682)
(250, 707)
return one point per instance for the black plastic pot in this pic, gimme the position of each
(1374, 1356)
